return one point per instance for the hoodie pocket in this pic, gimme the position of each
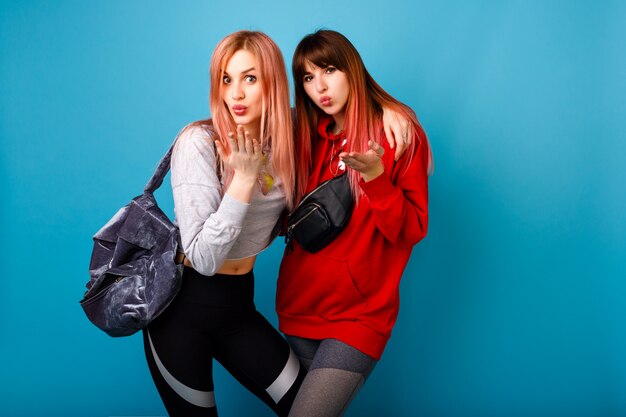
(321, 286)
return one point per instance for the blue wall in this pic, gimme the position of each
(514, 305)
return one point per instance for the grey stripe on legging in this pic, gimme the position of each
(286, 378)
(198, 398)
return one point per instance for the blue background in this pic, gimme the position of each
(514, 305)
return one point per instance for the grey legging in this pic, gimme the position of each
(336, 373)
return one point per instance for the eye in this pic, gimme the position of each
(250, 78)
(307, 78)
(226, 79)
(330, 69)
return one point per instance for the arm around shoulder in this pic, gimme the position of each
(399, 198)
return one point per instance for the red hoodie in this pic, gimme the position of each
(349, 290)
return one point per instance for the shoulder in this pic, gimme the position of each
(194, 158)
(417, 154)
(388, 156)
(195, 139)
(417, 157)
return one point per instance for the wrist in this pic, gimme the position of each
(373, 173)
(241, 187)
(244, 179)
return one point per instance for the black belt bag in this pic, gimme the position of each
(321, 215)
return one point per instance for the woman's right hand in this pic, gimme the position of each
(245, 156)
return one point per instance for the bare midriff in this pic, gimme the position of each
(237, 266)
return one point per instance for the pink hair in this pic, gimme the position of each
(363, 110)
(276, 121)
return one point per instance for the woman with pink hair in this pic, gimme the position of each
(229, 192)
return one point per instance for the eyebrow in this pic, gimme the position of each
(243, 72)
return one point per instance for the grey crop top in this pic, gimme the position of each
(213, 226)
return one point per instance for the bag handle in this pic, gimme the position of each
(164, 165)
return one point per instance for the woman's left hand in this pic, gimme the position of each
(398, 130)
(369, 164)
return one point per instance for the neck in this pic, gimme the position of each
(339, 120)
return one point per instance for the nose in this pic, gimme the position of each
(237, 91)
(320, 84)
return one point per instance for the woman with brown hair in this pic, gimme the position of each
(338, 305)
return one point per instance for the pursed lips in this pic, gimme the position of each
(239, 109)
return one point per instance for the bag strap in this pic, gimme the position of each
(160, 172)
(164, 165)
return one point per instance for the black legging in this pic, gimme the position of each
(215, 317)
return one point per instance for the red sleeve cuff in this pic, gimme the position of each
(379, 188)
